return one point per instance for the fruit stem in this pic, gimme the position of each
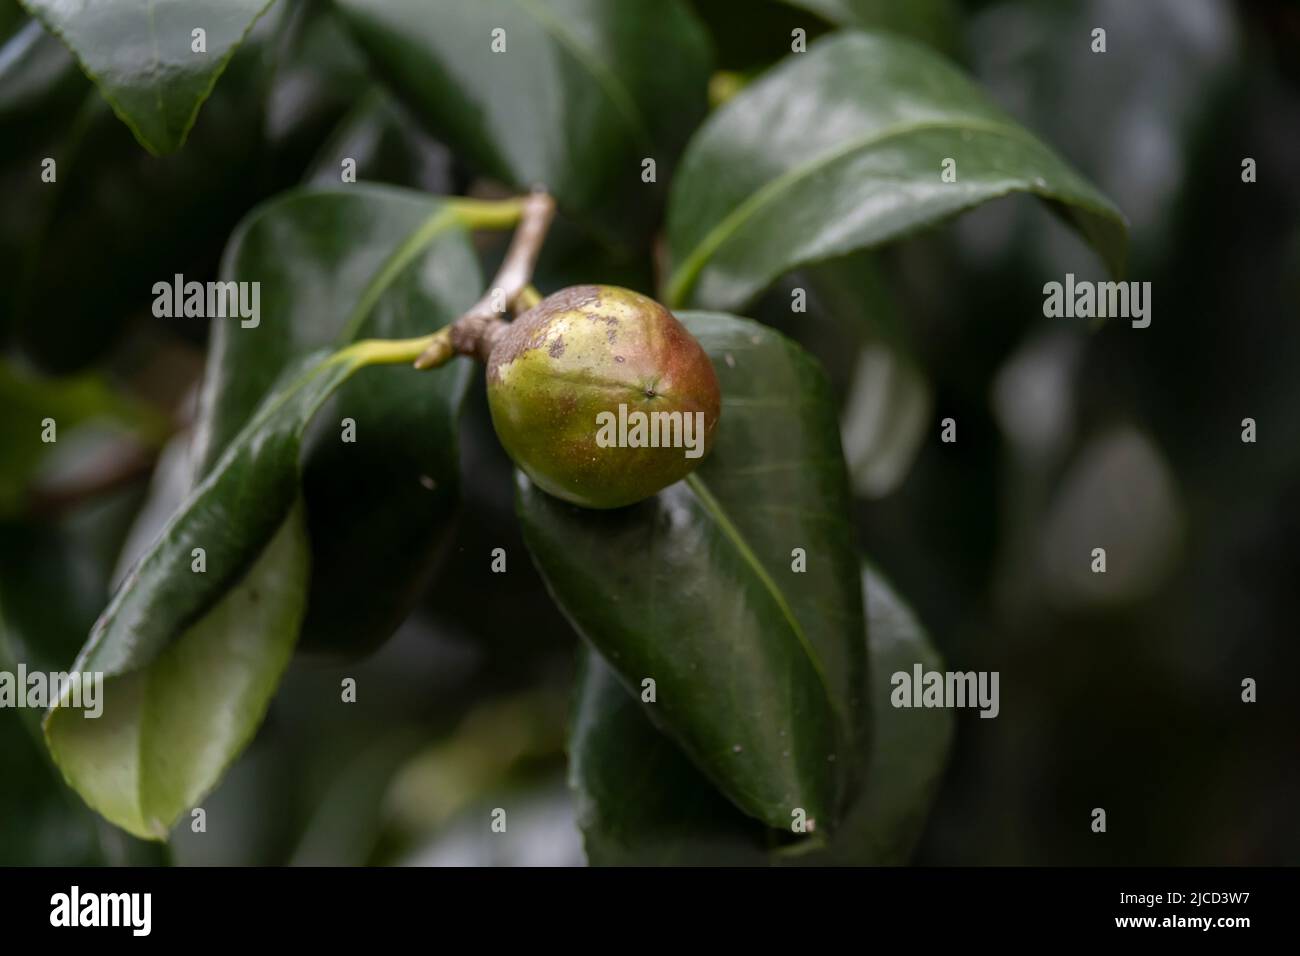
(475, 331)
(400, 351)
(488, 213)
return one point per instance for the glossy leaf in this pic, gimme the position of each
(759, 668)
(140, 53)
(169, 485)
(642, 802)
(334, 266)
(842, 148)
(582, 92)
(169, 728)
(194, 642)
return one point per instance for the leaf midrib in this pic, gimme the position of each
(442, 217)
(684, 277)
(714, 509)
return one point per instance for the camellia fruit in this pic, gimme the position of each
(601, 396)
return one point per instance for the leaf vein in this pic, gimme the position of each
(684, 277)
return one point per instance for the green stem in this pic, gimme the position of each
(398, 351)
(488, 213)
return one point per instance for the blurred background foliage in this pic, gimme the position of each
(1120, 691)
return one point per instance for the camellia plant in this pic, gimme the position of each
(682, 487)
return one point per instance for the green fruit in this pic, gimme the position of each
(585, 385)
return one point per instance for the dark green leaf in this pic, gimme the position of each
(336, 265)
(583, 92)
(194, 642)
(641, 802)
(842, 148)
(844, 313)
(181, 705)
(759, 668)
(140, 55)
